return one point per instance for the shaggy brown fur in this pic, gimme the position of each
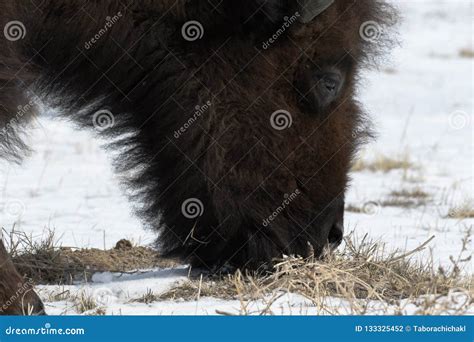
(230, 158)
(17, 297)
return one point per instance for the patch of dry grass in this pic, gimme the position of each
(46, 263)
(58, 295)
(416, 193)
(407, 198)
(223, 287)
(84, 302)
(148, 297)
(384, 164)
(405, 203)
(466, 53)
(362, 272)
(462, 211)
(404, 198)
(355, 209)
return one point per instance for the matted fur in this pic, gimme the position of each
(231, 158)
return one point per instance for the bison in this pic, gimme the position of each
(235, 122)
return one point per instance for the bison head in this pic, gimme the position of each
(238, 118)
(267, 156)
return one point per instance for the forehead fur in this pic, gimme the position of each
(339, 29)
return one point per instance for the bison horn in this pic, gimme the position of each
(310, 9)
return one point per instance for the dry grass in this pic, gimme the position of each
(363, 272)
(359, 274)
(404, 198)
(384, 164)
(46, 263)
(407, 198)
(148, 297)
(222, 287)
(355, 209)
(404, 203)
(416, 193)
(463, 211)
(84, 302)
(58, 295)
(466, 53)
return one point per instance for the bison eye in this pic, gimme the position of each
(331, 82)
(319, 88)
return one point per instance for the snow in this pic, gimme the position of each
(422, 107)
(279, 304)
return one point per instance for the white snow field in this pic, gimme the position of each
(421, 103)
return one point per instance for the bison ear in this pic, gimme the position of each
(310, 9)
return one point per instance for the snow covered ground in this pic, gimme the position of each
(422, 106)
